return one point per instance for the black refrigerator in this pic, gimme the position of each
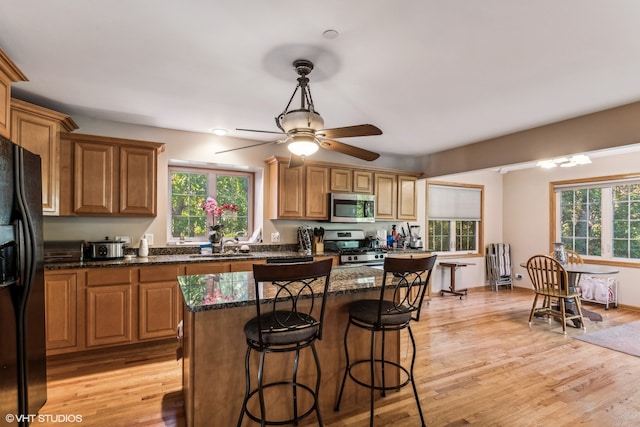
(23, 369)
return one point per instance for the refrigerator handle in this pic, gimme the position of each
(21, 250)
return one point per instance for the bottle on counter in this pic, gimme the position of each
(143, 249)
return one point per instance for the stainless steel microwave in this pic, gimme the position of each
(351, 207)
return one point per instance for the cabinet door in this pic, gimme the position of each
(316, 192)
(158, 302)
(137, 181)
(290, 192)
(362, 182)
(109, 315)
(407, 200)
(386, 196)
(341, 180)
(60, 291)
(93, 178)
(40, 136)
(37, 129)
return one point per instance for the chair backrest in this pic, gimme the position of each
(573, 257)
(547, 275)
(294, 289)
(409, 279)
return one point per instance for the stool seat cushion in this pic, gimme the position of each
(366, 311)
(282, 328)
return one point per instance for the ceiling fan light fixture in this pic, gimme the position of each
(303, 145)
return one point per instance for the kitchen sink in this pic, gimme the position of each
(223, 255)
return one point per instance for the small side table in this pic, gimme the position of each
(453, 266)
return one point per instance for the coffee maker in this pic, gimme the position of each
(415, 241)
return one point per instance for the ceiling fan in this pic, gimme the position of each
(303, 127)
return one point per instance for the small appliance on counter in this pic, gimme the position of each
(415, 241)
(106, 249)
(64, 251)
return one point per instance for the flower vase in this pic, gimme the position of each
(560, 253)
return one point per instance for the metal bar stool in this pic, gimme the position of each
(290, 321)
(408, 278)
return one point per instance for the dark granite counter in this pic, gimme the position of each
(224, 290)
(171, 259)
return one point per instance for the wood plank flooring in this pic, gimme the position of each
(478, 364)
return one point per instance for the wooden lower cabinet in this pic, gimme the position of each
(109, 315)
(159, 302)
(61, 296)
(102, 307)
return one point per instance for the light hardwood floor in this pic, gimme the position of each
(478, 364)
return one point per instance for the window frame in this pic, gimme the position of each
(212, 172)
(480, 249)
(555, 214)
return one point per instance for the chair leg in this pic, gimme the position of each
(260, 390)
(579, 308)
(319, 376)
(383, 391)
(294, 384)
(563, 315)
(413, 383)
(373, 363)
(336, 407)
(248, 382)
(533, 308)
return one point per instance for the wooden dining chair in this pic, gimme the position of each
(550, 280)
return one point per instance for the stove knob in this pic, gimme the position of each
(355, 258)
(349, 258)
(381, 256)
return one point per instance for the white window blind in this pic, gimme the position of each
(451, 202)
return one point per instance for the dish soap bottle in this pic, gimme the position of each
(143, 249)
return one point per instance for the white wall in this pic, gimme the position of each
(195, 147)
(526, 213)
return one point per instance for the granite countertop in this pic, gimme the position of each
(203, 292)
(171, 259)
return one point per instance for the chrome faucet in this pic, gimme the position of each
(226, 240)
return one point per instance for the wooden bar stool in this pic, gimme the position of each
(408, 278)
(290, 322)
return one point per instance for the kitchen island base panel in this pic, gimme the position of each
(215, 349)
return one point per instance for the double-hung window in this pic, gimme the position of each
(599, 217)
(454, 214)
(190, 187)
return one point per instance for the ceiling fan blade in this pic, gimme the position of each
(246, 146)
(349, 131)
(349, 150)
(295, 161)
(260, 131)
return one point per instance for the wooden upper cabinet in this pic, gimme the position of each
(407, 198)
(348, 180)
(37, 129)
(386, 191)
(341, 180)
(317, 192)
(9, 73)
(362, 182)
(93, 178)
(110, 176)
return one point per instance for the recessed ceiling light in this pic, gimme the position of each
(220, 131)
(330, 34)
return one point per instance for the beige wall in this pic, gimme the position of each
(526, 213)
(194, 147)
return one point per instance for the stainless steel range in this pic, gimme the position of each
(353, 247)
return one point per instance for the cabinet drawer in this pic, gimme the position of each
(158, 273)
(109, 276)
(207, 268)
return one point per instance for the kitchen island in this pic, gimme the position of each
(216, 308)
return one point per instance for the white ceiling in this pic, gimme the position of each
(431, 74)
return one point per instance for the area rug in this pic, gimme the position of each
(623, 338)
